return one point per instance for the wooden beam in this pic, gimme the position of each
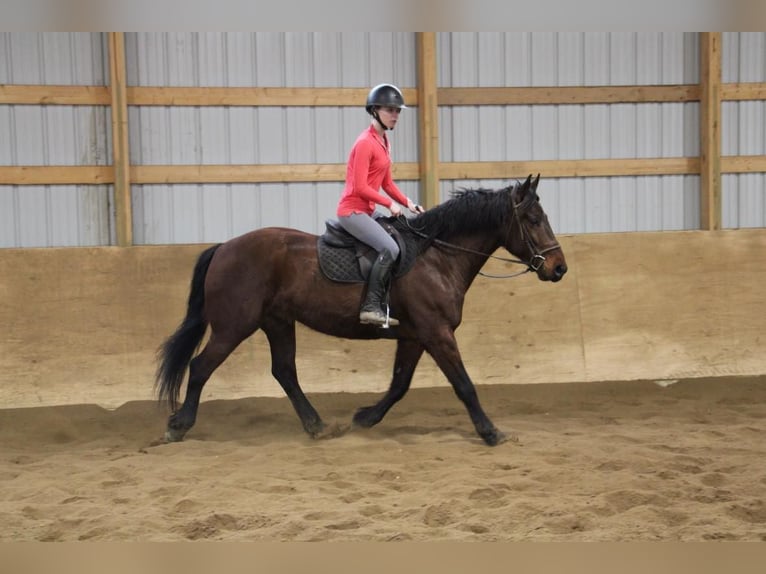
(743, 164)
(34, 94)
(744, 91)
(428, 119)
(569, 168)
(255, 173)
(120, 149)
(56, 175)
(278, 97)
(566, 95)
(262, 173)
(710, 130)
(287, 173)
(61, 95)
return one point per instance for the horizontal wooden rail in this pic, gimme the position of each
(310, 97)
(56, 175)
(55, 95)
(190, 96)
(344, 97)
(153, 174)
(566, 95)
(570, 168)
(743, 164)
(746, 91)
(292, 173)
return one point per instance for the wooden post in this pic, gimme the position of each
(428, 119)
(120, 149)
(710, 130)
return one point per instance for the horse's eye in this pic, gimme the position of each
(534, 220)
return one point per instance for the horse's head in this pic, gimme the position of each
(530, 236)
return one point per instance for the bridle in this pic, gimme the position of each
(533, 264)
(538, 255)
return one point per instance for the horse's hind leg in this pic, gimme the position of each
(281, 336)
(408, 354)
(200, 369)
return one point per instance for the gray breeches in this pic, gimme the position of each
(366, 229)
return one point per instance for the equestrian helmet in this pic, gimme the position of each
(386, 95)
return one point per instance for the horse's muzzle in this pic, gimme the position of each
(553, 273)
(558, 272)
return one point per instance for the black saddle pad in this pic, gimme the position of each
(340, 263)
(344, 258)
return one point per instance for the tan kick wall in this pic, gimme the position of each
(82, 325)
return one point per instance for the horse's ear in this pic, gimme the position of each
(534, 183)
(525, 186)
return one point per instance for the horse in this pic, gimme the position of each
(270, 278)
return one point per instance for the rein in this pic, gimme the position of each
(529, 268)
(533, 264)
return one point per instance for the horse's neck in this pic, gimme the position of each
(472, 255)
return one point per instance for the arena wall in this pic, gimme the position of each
(83, 324)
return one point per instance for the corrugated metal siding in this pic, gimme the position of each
(79, 135)
(61, 215)
(743, 130)
(516, 133)
(263, 135)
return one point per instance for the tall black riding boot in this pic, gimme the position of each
(372, 311)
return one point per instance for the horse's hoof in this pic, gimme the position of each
(333, 430)
(498, 437)
(174, 435)
(365, 417)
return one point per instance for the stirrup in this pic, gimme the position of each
(390, 321)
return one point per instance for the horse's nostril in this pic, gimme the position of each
(560, 270)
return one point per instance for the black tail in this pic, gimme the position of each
(176, 352)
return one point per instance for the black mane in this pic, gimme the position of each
(467, 211)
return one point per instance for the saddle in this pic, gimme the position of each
(342, 257)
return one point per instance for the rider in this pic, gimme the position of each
(368, 170)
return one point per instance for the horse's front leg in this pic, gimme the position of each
(443, 348)
(408, 354)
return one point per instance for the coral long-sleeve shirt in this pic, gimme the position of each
(369, 170)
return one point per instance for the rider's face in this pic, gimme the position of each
(389, 115)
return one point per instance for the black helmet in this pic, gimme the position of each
(384, 95)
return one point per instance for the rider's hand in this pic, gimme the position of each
(395, 209)
(414, 207)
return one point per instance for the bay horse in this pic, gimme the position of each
(270, 279)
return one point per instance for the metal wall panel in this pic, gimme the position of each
(61, 215)
(743, 130)
(261, 135)
(80, 135)
(516, 133)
